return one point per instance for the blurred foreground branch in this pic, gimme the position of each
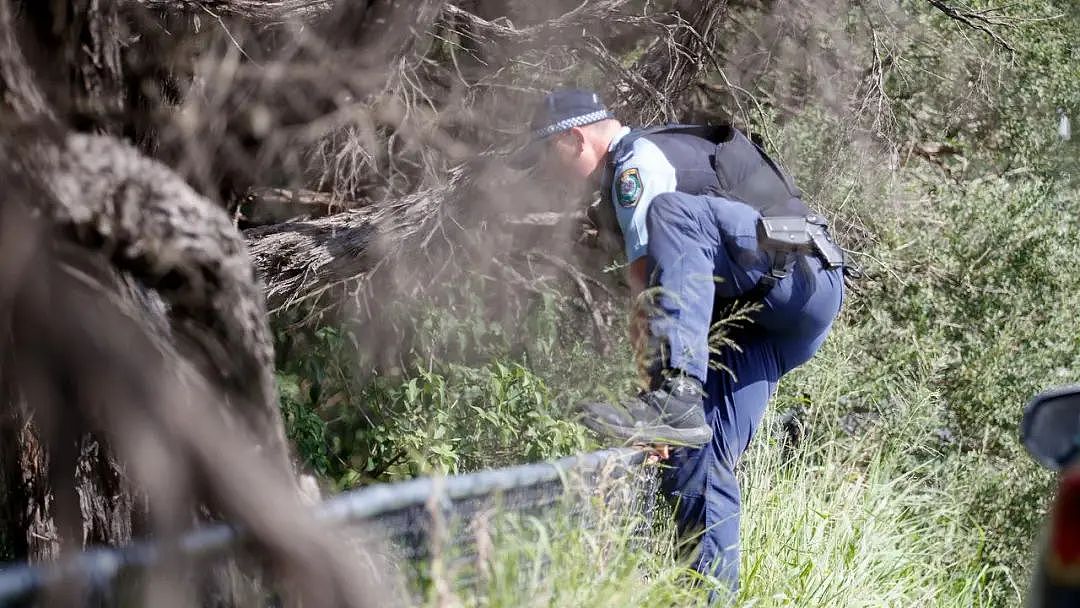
(255, 11)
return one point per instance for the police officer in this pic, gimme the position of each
(706, 217)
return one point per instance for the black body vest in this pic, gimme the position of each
(720, 161)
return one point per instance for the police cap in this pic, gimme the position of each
(559, 111)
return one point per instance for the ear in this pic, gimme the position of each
(577, 137)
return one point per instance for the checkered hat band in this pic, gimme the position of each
(569, 123)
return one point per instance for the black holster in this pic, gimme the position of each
(783, 236)
(786, 237)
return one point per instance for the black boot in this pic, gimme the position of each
(672, 414)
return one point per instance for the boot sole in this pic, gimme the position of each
(662, 434)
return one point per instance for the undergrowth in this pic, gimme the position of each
(844, 522)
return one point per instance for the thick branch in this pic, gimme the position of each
(302, 260)
(88, 351)
(262, 206)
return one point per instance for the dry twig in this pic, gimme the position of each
(979, 20)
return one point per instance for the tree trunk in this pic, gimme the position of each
(90, 41)
(28, 530)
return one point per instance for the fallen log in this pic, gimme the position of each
(264, 206)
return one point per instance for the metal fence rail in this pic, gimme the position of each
(403, 514)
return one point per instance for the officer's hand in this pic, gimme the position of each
(654, 453)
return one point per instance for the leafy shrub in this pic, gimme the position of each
(967, 312)
(352, 426)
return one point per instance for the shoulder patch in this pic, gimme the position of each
(628, 188)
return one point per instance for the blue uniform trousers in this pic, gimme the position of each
(703, 249)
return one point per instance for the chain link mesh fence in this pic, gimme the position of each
(419, 538)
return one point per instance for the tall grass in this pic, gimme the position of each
(844, 522)
(849, 524)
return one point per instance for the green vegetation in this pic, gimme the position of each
(844, 523)
(470, 399)
(968, 309)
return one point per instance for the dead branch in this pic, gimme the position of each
(649, 89)
(932, 149)
(299, 261)
(302, 260)
(262, 206)
(586, 16)
(546, 219)
(515, 278)
(676, 59)
(978, 20)
(323, 100)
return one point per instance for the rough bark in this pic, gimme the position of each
(87, 359)
(299, 261)
(155, 227)
(100, 491)
(81, 41)
(180, 381)
(127, 209)
(26, 509)
(97, 34)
